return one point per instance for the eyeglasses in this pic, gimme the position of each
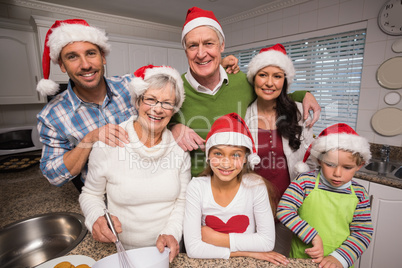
(153, 102)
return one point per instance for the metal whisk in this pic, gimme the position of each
(124, 260)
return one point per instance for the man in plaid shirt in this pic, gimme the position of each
(89, 110)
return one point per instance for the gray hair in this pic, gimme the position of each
(220, 37)
(159, 81)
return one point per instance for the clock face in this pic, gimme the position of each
(390, 17)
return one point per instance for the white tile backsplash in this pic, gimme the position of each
(291, 11)
(275, 29)
(374, 53)
(393, 140)
(364, 120)
(369, 98)
(328, 16)
(308, 21)
(326, 3)
(369, 77)
(309, 6)
(351, 11)
(261, 32)
(291, 25)
(276, 15)
(374, 33)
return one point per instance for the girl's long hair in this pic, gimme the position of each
(272, 195)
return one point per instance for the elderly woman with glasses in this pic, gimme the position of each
(145, 181)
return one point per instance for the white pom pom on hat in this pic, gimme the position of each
(274, 55)
(62, 33)
(336, 137)
(231, 129)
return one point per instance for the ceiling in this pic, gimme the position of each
(169, 12)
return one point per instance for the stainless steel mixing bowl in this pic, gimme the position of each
(32, 241)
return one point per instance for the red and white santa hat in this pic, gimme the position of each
(231, 129)
(139, 84)
(197, 17)
(336, 137)
(276, 56)
(62, 33)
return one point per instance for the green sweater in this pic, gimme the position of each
(200, 110)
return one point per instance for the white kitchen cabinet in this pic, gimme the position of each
(158, 55)
(20, 67)
(386, 212)
(177, 59)
(366, 185)
(127, 56)
(141, 55)
(117, 62)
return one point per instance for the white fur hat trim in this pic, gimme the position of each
(69, 33)
(138, 86)
(271, 57)
(347, 142)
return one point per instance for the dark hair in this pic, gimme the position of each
(288, 117)
(272, 193)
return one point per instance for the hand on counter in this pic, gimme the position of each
(101, 231)
(317, 251)
(330, 262)
(271, 256)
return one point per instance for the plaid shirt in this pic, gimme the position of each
(66, 119)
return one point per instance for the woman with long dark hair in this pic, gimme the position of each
(276, 124)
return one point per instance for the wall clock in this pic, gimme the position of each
(390, 17)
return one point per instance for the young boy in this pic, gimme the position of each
(329, 213)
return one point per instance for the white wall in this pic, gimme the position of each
(322, 17)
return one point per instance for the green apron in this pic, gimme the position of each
(329, 214)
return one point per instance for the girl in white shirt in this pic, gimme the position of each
(228, 211)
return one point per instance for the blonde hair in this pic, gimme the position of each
(357, 157)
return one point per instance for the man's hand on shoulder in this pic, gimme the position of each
(231, 64)
(186, 138)
(112, 135)
(310, 103)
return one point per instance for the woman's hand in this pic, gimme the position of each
(317, 251)
(101, 231)
(170, 242)
(271, 256)
(330, 262)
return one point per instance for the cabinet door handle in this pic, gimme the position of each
(371, 200)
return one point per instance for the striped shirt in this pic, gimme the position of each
(361, 229)
(66, 119)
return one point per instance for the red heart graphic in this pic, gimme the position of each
(236, 224)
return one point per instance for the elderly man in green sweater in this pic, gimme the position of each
(210, 91)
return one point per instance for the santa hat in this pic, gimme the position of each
(275, 55)
(198, 17)
(62, 33)
(139, 84)
(336, 137)
(231, 129)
